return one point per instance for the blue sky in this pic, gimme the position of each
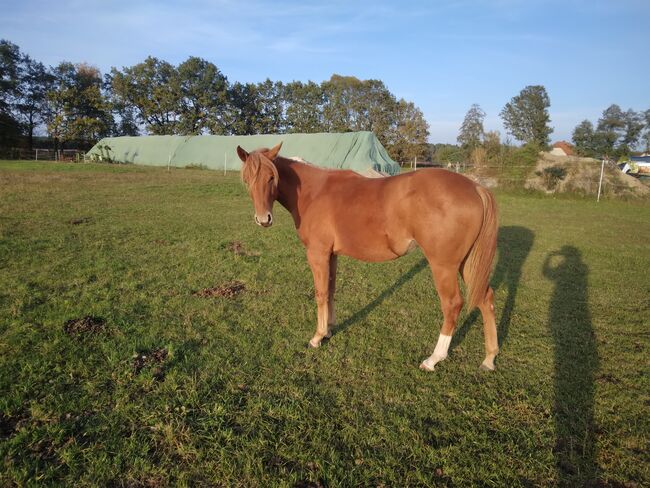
(442, 55)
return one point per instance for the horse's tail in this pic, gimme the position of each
(478, 264)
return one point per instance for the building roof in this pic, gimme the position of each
(565, 146)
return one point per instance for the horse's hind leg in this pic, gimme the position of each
(331, 315)
(451, 301)
(489, 330)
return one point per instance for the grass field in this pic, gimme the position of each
(192, 368)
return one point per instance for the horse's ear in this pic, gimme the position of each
(242, 154)
(273, 152)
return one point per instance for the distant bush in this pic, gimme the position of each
(104, 155)
(552, 176)
(526, 155)
(517, 164)
(196, 166)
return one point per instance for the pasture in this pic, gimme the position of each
(152, 335)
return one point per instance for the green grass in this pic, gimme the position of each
(239, 399)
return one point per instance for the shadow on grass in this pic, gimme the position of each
(576, 363)
(514, 244)
(365, 311)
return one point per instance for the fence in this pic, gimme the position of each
(76, 155)
(597, 179)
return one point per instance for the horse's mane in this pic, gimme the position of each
(250, 170)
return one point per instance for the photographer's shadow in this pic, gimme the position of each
(576, 363)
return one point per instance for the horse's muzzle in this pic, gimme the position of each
(264, 221)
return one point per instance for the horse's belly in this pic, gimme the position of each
(373, 248)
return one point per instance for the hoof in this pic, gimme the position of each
(313, 345)
(425, 367)
(485, 367)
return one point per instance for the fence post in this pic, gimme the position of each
(600, 183)
(225, 162)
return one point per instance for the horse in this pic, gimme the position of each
(339, 212)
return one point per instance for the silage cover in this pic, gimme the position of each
(359, 151)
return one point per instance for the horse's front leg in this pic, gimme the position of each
(319, 262)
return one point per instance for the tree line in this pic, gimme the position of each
(74, 104)
(617, 133)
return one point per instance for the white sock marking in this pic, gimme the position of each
(439, 353)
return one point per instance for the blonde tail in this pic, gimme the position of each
(478, 264)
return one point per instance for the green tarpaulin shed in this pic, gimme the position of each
(359, 151)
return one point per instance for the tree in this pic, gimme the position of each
(377, 110)
(646, 134)
(351, 104)
(610, 130)
(152, 88)
(526, 116)
(35, 83)
(242, 109)
(493, 147)
(408, 138)
(471, 131)
(203, 97)
(339, 103)
(634, 123)
(10, 70)
(584, 139)
(304, 111)
(77, 108)
(269, 99)
(448, 153)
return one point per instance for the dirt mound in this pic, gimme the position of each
(239, 249)
(84, 325)
(227, 290)
(81, 220)
(156, 358)
(572, 174)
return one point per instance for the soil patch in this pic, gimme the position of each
(227, 290)
(9, 425)
(155, 358)
(84, 325)
(238, 249)
(81, 220)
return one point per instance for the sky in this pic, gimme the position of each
(441, 55)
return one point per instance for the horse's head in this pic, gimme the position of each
(261, 178)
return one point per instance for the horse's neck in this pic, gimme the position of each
(295, 185)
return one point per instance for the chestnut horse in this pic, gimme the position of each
(339, 212)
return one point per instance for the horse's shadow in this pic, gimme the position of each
(365, 311)
(513, 243)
